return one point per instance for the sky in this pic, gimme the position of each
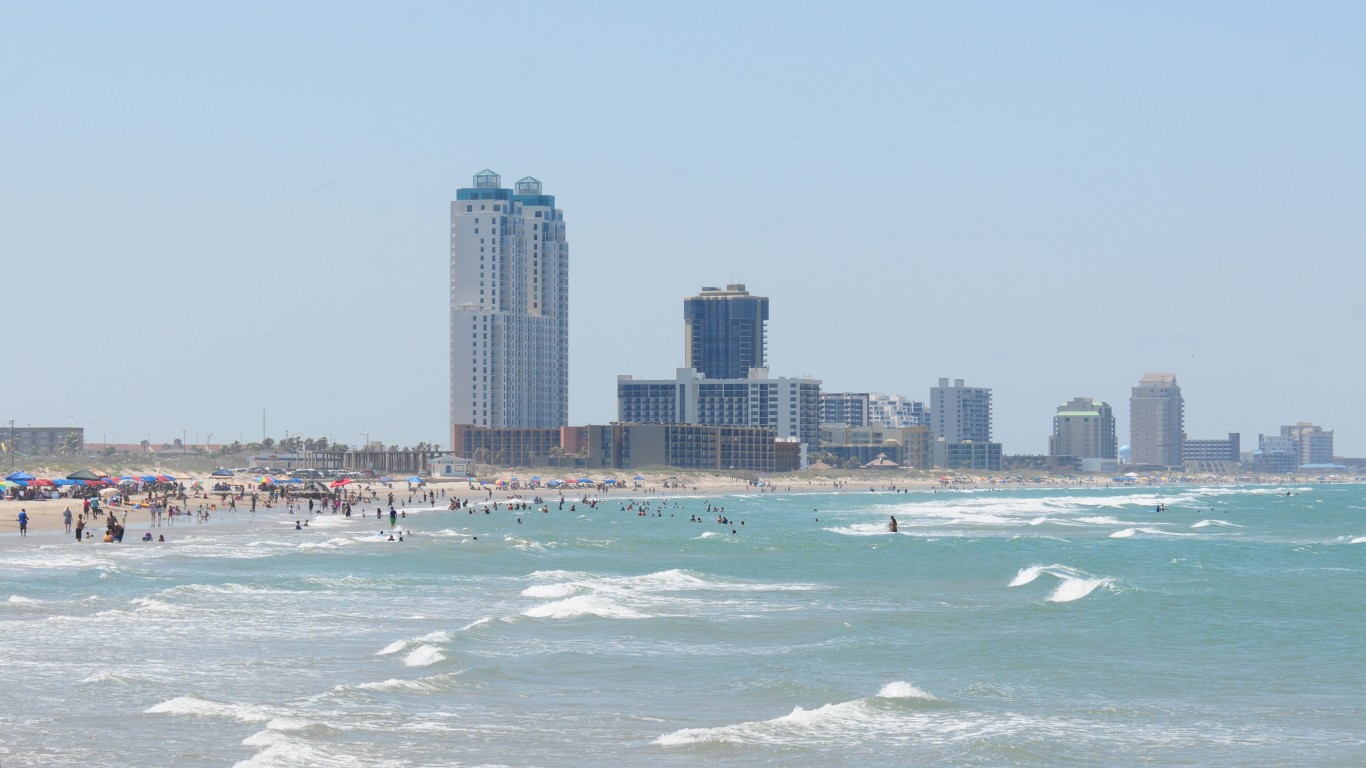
(215, 211)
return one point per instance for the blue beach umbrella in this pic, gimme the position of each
(414, 479)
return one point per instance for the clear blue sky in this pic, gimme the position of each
(211, 209)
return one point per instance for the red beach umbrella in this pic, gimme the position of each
(341, 482)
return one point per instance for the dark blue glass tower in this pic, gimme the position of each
(726, 332)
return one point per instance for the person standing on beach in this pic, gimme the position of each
(66, 518)
(23, 522)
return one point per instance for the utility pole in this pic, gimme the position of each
(11, 443)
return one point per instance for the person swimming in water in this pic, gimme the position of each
(891, 526)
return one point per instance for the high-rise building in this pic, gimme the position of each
(725, 332)
(1156, 421)
(960, 413)
(509, 307)
(1084, 429)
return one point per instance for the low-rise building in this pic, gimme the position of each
(967, 454)
(686, 446)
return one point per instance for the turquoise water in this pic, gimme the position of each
(1030, 627)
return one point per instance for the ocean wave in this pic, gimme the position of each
(849, 720)
(423, 655)
(431, 684)
(583, 605)
(1076, 588)
(284, 749)
(197, 707)
(1073, 584)
(1208, 523)
(1129, 533)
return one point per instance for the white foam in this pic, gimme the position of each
(550, 591)
(903, 690)
(393, 647)
(1208, 523)
(423, 655)
(855, 721)
(1358, 540)
(193, 705)
(1075, 589)
(1026, 575)
(280, 749)
(420, 685)
(21, 600)
(583, 605)
(1129, 533)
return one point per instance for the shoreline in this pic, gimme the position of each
(46, 524)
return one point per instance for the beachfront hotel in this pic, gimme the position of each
(509, 307)
(1157, 421)
(790, 406)
(1084, 429)
(725, 332)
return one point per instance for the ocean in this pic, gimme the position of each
(1021, 627)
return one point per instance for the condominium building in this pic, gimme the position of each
(509, 331)
(1314, 444)
(897, 411)
(790, 406)
(960, 412)
(850, 408)
(725, 332)
(1156, 421)
(1083, 429)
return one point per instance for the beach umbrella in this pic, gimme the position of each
(65, 481)
(638, 477)
(554, 483)
(585, 479)
(44, 482)
(386, 479)
(340, 482)
(415, 479)
(536, 478)
(19, 476)
(609, 481)
(148, 478)
(165, 479)
(7, 484)
(222, 473)
(128, 481)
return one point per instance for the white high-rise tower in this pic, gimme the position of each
(509, 306)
